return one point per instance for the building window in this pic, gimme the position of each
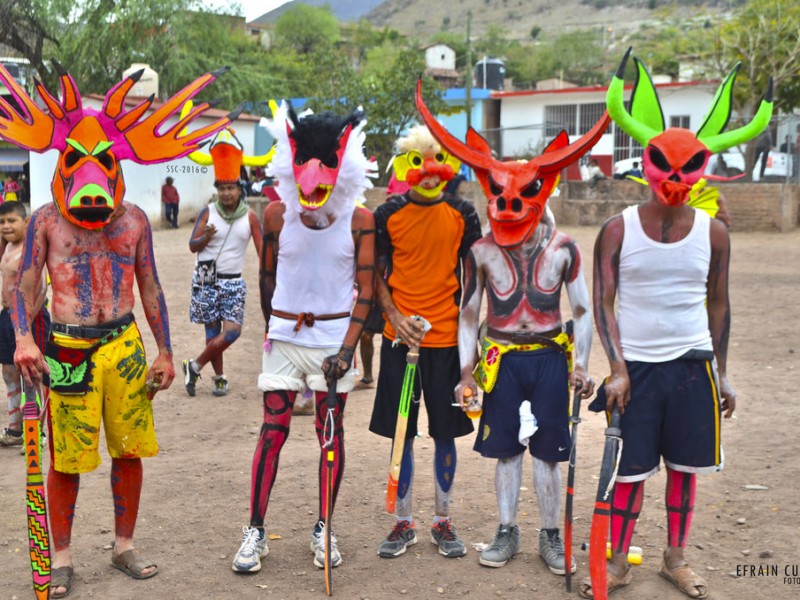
(679, 121)
(589, 115)
(560, 117)
(625, 146)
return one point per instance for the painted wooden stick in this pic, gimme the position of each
(38, 538)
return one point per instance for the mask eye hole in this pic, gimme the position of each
(659, 160)
(440, 158)
(415, 159)
(71, 158)
(331, 161)
(105, 159)
(494, 187)
(532, 189)
(695, 163)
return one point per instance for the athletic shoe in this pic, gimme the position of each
(253, 549)
(401, 537)
(504, 546)
(443, 534)
(318, 547)
(551, 549)
(220, 385)
(190, 375)
(7, 439)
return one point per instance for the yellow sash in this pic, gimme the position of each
(485, 372)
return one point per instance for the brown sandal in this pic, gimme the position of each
(614, 583)
(685, 580)
(61, 577)
(133, 565)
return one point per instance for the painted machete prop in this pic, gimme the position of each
(602, 508)
(575, 420)
(38, 538)
(407, 393)
(330, 430)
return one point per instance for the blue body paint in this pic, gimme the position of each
(444, 462)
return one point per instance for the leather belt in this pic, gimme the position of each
(306, 318)
(229, 275)
(526, 337)
(92, 331)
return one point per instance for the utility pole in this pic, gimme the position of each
(468, 81)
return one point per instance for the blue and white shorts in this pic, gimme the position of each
(222, 301)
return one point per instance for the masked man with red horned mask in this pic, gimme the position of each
(665, 265)
(523, 368)
(316, 242)
(95, 246)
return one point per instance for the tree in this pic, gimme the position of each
(765, 37)
(306, 28)
(23, 29)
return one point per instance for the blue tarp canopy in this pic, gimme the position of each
(12, 159)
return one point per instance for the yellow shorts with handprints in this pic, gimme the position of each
(117, 395)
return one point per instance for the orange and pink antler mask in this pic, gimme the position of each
(88, 186)
(517, 192)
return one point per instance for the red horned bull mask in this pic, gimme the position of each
(675, 158)
(516, 192)
(88, 186)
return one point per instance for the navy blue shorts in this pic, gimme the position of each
(674, 412)
(40, 328)
(438, 373)
(540, 377)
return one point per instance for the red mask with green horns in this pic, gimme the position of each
(675, 158)
(87, 186)
(516, 192)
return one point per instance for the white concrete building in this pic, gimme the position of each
(530, 119)
(440, 56)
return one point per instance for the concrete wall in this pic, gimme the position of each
(753, 206)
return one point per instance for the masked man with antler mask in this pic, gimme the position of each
(524, 364)
(95, 246)
(663, 317)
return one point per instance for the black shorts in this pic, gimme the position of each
(375, 321)
(40, 328)
(438, 373)
(674, 412)
(541, 377)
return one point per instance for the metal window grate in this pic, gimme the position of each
(589, 114)
(679, 121)
(560, 117)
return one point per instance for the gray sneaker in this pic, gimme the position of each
(551, 549)
(220, 385)
(443, 534)
(401, 536)
(504, 546)
(318, 547)
(253, 549)
(8, 439)
(190, 376)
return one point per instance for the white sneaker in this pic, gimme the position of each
(318, 547)
(253, 549)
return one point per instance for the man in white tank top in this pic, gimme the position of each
(220, 238)
(316, 242)
(667, 345)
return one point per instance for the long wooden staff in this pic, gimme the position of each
(406, 395)
(330, 423)
(38, 538)
(575, 420)
(602, 508)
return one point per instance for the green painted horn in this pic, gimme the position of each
(647, 120)
(722, 141)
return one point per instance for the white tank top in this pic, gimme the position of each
(662, 291)
(315, 273)
(231, 258)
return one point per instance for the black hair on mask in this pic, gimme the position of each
(317, 135)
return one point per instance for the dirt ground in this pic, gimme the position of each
(195, 498)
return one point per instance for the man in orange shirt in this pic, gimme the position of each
(423, 237)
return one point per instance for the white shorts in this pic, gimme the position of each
(291, 367)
